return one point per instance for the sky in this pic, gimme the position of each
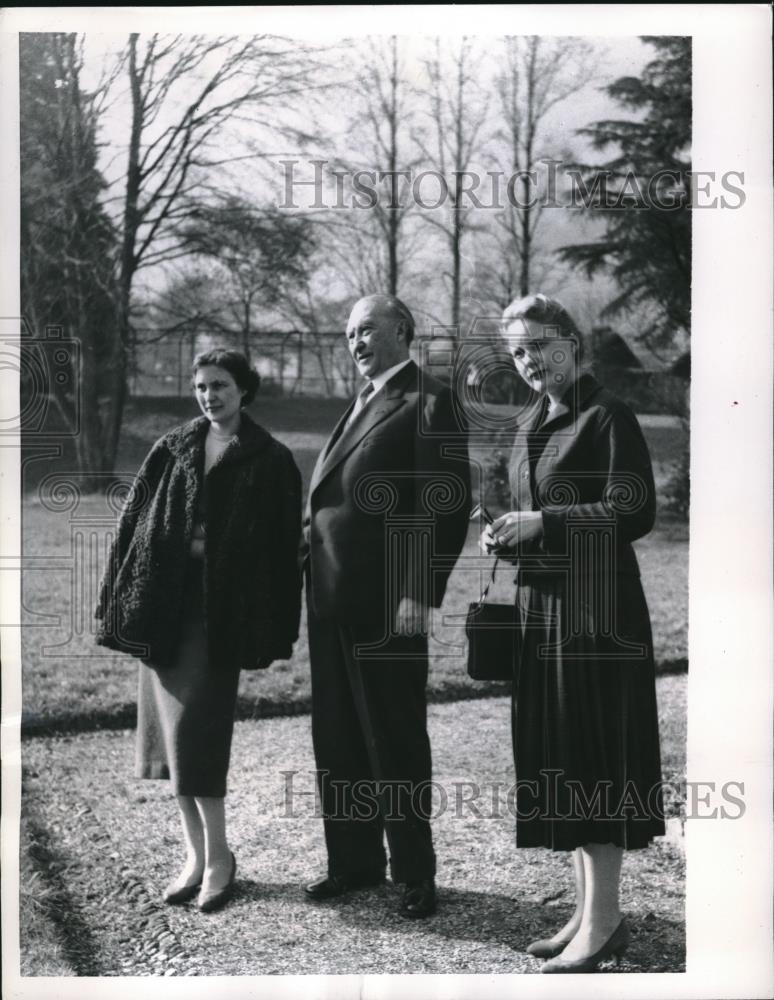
(616, 57)
(730, 614)
(330, 136)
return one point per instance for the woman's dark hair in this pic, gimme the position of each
(236, 364)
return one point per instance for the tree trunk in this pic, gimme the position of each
(526, 242)
(456, 241)
(455, 311)
(89, 451)
(117, 380)
(88, 446)
(114, 410)
(246, 331)
(393, 209)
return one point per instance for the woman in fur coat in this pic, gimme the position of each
(203, 581)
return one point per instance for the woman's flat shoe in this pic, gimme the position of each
(213, 900)
(173, 896)
(546, 948)
(615, 946)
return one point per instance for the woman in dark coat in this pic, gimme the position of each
(203, 581)
(585, 726)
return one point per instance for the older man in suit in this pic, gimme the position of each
(386, 519)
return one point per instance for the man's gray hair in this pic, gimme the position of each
(397, 310)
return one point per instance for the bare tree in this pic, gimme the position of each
(188, 304)
(386, 114)
(537, 74)
(258, 254)
(185, 92)
(369, 242)
(352, 254)
(387, 119)
(457, 113)
(316, 318)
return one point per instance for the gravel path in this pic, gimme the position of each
(111, 843)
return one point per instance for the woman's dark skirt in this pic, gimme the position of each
(185, 712)
(585, 722)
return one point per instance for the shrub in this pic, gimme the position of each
(677, 489)
(497, 489)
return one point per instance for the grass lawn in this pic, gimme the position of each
(67, 679)
(303, 423)
(130, 835)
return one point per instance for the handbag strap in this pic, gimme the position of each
(485, 591)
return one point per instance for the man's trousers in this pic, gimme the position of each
(369, 729)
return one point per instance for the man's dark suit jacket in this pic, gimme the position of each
(387, 477)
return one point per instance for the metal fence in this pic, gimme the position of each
(297, 363)
(289, 363)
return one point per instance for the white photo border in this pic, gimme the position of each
(729, 863)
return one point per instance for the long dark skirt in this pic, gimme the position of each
(185, 711)
(585, 723)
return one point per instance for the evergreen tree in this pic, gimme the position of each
(642, 195)
(67, 241)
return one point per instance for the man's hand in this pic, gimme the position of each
(411, 618)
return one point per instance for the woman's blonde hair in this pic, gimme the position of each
(550, 313)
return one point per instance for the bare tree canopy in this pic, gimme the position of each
(185, 92)
(537, 74)
(258, 256)
(413, 159)
(456, 115)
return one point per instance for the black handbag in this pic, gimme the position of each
(494, 633)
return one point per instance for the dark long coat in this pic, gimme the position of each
(401, 466)
(252, 586)
(386, 520)
(586, 467)
(585, 717)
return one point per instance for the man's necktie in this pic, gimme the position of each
(363, 396)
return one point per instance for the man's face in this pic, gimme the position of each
(375, 338)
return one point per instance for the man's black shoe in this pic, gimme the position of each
(419, 899)
(337, 885)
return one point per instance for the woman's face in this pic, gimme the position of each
(544, 360)
(218, 395)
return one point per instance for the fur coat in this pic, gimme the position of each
(252, 514)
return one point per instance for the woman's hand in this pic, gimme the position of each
(411, 618)
(487, 542)
(508, 531)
